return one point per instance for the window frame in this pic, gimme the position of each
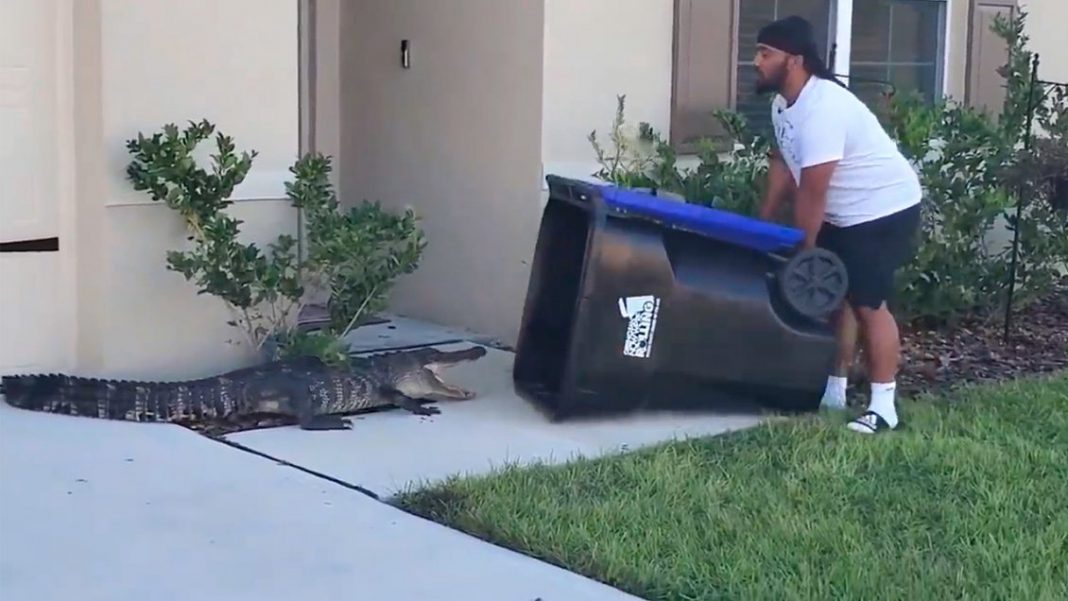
(681, 80)
(839, 35)
(941, 50)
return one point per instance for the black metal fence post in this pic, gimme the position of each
(1032, 106)
(1028, 135)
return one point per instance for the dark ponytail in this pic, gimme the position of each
(815, 65)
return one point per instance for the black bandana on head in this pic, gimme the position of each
(793, 35)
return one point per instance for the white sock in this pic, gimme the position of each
(882, 403)
(834, 396)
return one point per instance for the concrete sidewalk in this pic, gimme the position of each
(390, 451)
(95, 509)
(110, 511)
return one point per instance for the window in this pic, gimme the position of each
(896, 41)
(899, 41)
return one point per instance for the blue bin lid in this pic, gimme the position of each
(724, 226)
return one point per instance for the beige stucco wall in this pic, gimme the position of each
(37, 292)
(141, 65)
(1045, 26)
(466, 135)
(324, 64)
(629, 52)
(457, 136)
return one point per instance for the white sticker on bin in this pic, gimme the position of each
(641, 314)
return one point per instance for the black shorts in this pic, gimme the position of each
(872, 252)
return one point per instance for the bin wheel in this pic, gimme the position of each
(814, 282)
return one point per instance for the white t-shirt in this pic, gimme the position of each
(827, 123)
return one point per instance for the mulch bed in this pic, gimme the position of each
(975, 351)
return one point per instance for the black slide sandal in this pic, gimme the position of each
(872, 421)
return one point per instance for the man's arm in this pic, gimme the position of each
(811, 202)
(821, 146)
(780, 184)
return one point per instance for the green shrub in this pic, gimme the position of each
(957, 152)
(352, 257)
(972, 167)
(733, 183)
(261, 289)
(355, 255)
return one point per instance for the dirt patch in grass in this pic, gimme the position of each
(965, 502)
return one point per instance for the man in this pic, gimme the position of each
(853, 193)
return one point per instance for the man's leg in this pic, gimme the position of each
(845, 328)
(883, 349)
(894, 236)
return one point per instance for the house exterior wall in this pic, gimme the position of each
(388, 152)
(140, 65)
(586, 67)
(457, 136)
(1045, 27)
(635, 57)
(37, 294)
(465, 136)
(511, 103)
(322, 34)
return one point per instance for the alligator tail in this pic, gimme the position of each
(54, 393)
(31, 391)
(110, 399)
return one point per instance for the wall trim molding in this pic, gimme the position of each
(259, 186)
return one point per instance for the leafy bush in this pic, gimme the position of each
(352, 257)
(262, 289)
(957, 152)
(972, 167)
(734, 183)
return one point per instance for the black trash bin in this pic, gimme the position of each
(638, 301)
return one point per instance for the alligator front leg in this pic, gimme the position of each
(305, 409)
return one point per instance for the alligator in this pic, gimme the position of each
(304, 390)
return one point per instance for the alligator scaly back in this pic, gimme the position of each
(304, 389)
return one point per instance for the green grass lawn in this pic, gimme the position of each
(969, 500)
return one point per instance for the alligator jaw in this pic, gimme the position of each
(427, 382)
(428, 385)
(447, 360)
(454, 392)
(442, 359)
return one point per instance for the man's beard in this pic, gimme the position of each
(773, 83)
